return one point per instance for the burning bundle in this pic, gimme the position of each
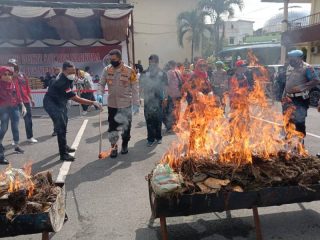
(211, 175)
(22, 193)
(252, 147)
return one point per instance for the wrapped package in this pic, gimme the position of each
(164, 180)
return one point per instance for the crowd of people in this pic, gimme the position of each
(163, 89)
(160, 89)
(16, 102)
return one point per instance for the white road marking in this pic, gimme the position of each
(64, 170)
(264, 120)
(281, 125)
(313, 135)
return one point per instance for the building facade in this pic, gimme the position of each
(237, 31)
(155, 29)
(305, 34)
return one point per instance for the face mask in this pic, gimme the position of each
(115, 63)
(71, 77)
(294, 62)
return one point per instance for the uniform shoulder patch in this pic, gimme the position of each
(109, 69)
(127, 66)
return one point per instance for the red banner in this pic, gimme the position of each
(37, 61)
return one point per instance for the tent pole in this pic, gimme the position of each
(132, 35)
(128, 52)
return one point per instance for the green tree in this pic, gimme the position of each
(193, 23)
(216, 10)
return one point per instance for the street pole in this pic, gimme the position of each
(284, 29)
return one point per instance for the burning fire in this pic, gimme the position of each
(19, 180)
(248, 130)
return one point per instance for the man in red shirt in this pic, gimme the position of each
(23, 86)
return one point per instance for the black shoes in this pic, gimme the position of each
(70, 150)
(18, 149)
(54, 134)
(3, 161)
(318, 155)
(114, 151)
(124, 148)
(67, 157)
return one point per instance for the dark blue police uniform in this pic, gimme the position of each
(55, 104)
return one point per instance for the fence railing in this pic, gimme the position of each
(303, 22)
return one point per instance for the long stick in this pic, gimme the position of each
(100, 132)
(80, 106)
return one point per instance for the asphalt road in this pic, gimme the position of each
(108, 199)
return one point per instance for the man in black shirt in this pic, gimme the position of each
(139, 67)
(55, 104)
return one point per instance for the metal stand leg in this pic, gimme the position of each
(228, 213)
(257, 223)
(45, 236)
(163, 227)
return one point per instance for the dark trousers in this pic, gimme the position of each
(88, 96)
(298, 117)
(28, 121)
(119, 119)
(12, 114)
(59, 115)
(153, 116)
(171, 112)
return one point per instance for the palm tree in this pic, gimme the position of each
(216, 9)
(191, 22)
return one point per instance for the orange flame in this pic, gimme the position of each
(16, 183)
(204, 131)
(105, 154)
(29, 184)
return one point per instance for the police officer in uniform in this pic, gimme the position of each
(123, 99)
(55, 104)
(300, 78)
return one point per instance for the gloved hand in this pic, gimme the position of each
(100, 98)
(135, 109)
(98, 105)
(23, 111)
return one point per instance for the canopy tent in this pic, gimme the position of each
(43, 34)
(59, 24)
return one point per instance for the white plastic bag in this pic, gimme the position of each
(164, 180)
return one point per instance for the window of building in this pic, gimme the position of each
(231, 40)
